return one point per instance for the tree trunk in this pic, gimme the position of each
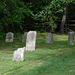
(63, 19)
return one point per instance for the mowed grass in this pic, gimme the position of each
(48, 59)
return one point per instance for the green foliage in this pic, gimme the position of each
(52, 12)
(19, 14)
(2, 36)
(13, 13)
(49, 12)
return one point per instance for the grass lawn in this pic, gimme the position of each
(48, 59)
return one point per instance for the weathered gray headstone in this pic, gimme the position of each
(19, 54)
(74, 36)
(49, 38)
(71, 38)
(31, 40)
(24, 37)
(9, 37)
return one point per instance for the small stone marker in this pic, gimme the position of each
(31, 40)
(24, 37)
(71, 38)
(9, 37)
(49, 38)
(19, 54)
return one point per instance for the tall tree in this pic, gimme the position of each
(64, 19)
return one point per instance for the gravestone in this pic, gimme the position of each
(9, 37)
(31, 40)
(49, 38)
(74, 37)
(71, 38)
(24, 37)
(19, 54)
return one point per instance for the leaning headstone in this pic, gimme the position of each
(9, 37)
(19, 54)
(71, 38)
(24, 37)
(49, 38)
(31, 40)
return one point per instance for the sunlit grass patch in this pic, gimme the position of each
(57, 58)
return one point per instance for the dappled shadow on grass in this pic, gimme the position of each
(54, 45)
(47, 59)
(11, 45)
(56, 65)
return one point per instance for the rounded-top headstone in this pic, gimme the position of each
(9, 37)
(31, 40)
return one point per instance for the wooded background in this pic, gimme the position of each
(39, 15)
